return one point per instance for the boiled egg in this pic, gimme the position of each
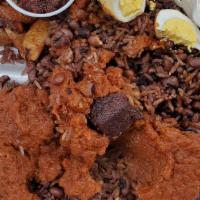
(174, 25)
(124, 10)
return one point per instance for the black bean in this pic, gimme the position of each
(171, 81)
(74, 25)
(124, 185)
(196, 105)
(194, 62)
(83, 32)
(4, 79)
(69, 91)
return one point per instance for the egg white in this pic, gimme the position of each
(112, 7)
(167, 14)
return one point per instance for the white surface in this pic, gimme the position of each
(14, 71)
(31, 14)
(192, 8)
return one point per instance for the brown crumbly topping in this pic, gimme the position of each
(15, 170)
(24, 127)
(163, 161)
(22, 118)
(77, 181)
(50, 162)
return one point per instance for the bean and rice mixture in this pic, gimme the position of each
(168, 77)
(164, 77)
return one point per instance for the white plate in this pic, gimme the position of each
(192, 8)
(14, 70)
(31, 14)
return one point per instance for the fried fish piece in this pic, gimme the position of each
(8, 13)
(4, 39)
(34, 39)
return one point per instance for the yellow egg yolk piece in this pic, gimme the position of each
(130, 6)
(180, 32)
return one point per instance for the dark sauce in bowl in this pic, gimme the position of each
(41, 6)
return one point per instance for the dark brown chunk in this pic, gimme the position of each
(113, 114)
(171, 81)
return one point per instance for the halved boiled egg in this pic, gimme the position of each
(174, 25)
(124, 10)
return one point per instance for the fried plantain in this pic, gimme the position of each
(34, 39)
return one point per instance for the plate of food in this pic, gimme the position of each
(100, 102)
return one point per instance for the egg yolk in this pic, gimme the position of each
(180, 31)
(130, 6)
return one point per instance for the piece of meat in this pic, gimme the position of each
(112, 115)
(163, 161)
